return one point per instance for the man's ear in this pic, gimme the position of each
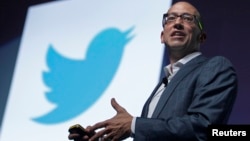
(162, 39)
(202, 37)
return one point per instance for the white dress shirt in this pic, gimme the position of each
(170, 71)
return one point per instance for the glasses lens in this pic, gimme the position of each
(171, 17)
(187, 17)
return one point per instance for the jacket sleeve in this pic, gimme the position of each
(212, 101)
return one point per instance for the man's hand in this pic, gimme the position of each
(79, 134)
(116, 128)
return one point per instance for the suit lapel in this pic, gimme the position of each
(146, 105)
(185, 70)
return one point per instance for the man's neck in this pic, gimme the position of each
(175, 56)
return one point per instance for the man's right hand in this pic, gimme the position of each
(81, 134)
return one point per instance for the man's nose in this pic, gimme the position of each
(178, 20)
(178, 23)
(178, 26)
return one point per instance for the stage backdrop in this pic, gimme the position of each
(74, 57)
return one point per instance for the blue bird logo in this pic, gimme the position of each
(75, 85)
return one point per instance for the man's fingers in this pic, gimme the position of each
(98, 135)
(116, 106)
(74, 136)
(89, 129)
(96, 126)
(106, 137)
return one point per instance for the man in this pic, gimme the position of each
(199, 91)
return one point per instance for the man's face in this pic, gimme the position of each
(179, 34)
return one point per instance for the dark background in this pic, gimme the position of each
(12, 19)
(227, 27)
(226, 24)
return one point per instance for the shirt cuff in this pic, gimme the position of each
(133, 126)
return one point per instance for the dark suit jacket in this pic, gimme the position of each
(201, 93)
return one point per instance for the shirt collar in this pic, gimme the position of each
(177, 65)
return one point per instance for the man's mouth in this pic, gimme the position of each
(178, 34)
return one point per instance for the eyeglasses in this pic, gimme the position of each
(187, 18)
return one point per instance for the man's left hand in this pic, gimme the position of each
(116, 128)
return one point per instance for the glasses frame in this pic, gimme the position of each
(164, 21)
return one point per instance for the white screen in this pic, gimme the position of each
(80, 81)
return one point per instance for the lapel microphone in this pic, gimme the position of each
(165, 81)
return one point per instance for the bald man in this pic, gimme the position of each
(196, 91)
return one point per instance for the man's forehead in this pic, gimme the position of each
(183, 7)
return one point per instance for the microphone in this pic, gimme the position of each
(165, 81)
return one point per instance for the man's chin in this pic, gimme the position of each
(176, 43)
(176, 46)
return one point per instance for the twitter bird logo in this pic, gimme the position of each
(75, 85)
